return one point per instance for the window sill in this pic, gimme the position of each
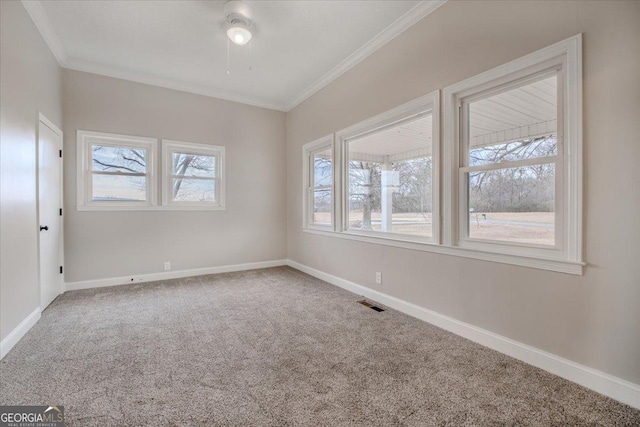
(557, 265)
(148, 208)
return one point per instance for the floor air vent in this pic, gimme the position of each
(371, 306)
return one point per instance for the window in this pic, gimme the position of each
(511, 169)
(510, 151)
(193, 175)
(512, 141)
(115, 171)
(318, 183)
(390, 174)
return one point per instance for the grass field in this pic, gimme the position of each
(521, 227)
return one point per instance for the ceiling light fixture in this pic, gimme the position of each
(239, 32)
(239, 26)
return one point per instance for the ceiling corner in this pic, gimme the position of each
(39, 17)
(419, 11)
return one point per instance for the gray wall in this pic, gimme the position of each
(591, 319)
(30, 82)
(113, 244)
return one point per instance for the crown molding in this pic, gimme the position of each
(422, 9)
(39, 17)
(153, 80)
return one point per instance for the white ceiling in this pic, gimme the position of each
(411, 137)
(524, 112)
(298, 47)
(520, 113)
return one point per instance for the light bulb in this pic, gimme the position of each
(239, 35)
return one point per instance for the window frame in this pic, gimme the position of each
(565, 58)
(86, 139)
(425, 105)
(172, 146)
(308, 151)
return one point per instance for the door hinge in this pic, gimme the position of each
(60, 269)
(60, 211)
(60, 152)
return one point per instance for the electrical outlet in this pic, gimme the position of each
(379, 278)
(167, 265)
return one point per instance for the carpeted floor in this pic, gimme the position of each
(274, 347)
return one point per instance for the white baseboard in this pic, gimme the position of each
(616, 388)
(165, 275)
(19, 331)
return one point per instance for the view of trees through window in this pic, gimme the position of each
(321, 187)
(409, 184)
(390, 180)
(512, 149)
(119, 174)
(194, 177)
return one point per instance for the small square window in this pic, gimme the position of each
(193, 175)
(115, 172)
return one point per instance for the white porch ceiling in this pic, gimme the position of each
(524, 112)
(299, 46)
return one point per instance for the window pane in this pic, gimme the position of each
(514, 204)
(390, 179)
(322, 206)
(194, 165)
(119, 188)
(194, 190)
(118, 159)
(411, 186)
(322, 168)
(518, 124)
(364, 195)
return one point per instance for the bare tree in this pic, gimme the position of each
(365, 188)
(519, 189)
(128, 160)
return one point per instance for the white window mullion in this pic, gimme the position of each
(508, 164)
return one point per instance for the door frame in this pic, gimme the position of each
(43, 120)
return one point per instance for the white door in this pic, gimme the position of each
(49, 211)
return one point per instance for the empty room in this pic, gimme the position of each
(319, 213)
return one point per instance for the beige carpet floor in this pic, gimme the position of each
(274, 347)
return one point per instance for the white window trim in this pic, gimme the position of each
(429, 104)
(84, 175)
(168, 148)
(570, 51)
(308, 150)
(567, 56)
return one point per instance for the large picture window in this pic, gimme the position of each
(389, 175)
(390, 178)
